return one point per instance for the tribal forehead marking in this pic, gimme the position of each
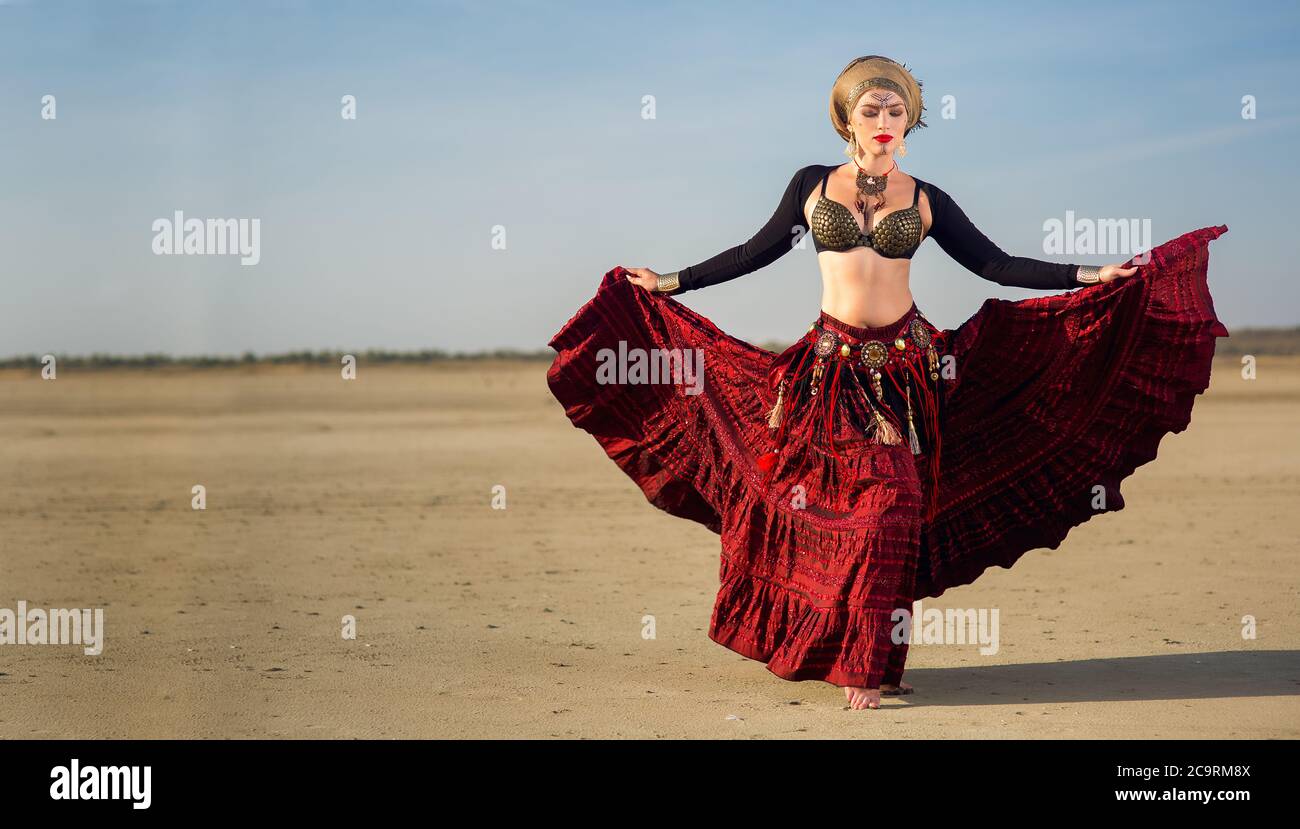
(870, 83)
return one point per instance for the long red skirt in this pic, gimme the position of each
(836, 509)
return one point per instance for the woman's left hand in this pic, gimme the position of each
(1110, 272)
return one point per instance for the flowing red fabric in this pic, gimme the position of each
(825, 533)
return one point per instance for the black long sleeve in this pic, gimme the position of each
(950, 227)
(970, 248)
(772, 241)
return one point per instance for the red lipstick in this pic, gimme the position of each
(885, 138)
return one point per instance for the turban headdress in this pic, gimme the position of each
(874, 72)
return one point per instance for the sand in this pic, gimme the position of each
(373, 498)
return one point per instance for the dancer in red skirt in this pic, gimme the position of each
(880, 460)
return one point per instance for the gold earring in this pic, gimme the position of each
(901, 152)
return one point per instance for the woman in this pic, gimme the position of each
(880, 460)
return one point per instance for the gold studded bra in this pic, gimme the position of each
(896, 236)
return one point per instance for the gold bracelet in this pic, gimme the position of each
(668, 282)
(1088, 274)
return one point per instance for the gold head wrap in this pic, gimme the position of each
(874, 72)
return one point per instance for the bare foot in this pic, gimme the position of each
(860, 698)
(895, 690)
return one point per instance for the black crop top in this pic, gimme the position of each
(954, 232)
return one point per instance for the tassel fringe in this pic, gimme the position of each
(886, 432)
(774, 416)
(912, 442)
(817, 397)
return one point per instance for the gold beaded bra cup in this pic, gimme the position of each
(896, 236)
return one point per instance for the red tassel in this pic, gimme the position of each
(794, 377)
(830, 407)
(928, 403)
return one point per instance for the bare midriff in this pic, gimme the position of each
(863, 288)
(859, 286)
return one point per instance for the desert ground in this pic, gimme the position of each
(373, 498)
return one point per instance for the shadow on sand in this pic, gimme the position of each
(1255, 673)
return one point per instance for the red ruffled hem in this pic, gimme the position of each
(844, 645)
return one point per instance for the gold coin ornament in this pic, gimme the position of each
(825, 344)
(874, 354)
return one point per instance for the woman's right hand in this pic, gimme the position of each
(644, 277)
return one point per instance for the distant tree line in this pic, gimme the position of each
(1277, 341)
(1259, 341)
(331, 358)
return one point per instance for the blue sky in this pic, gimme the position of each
(377, 232)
